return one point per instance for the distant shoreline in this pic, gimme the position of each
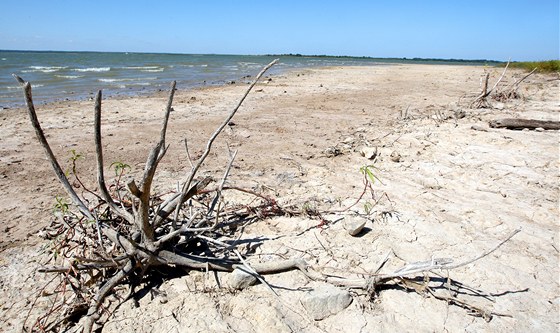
(382, 59)
(399, 60)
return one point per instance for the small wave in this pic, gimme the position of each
(141, 84)
(93, 69)
(4, 59)
(44, 69)
(127, 80)
(113, 80)
(248, 64)
(19, 87)
(48, 67)
(69, 76)
(159, 69)
(141, 67)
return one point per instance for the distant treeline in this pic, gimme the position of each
(480, 61)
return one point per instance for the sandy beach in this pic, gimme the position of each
(446, 190)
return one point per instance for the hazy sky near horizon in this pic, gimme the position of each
(470, 29)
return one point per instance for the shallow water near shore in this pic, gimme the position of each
(77, 75)
(58, 76)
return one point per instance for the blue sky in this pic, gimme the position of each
(473, 29)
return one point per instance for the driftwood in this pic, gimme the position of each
(127, 241)
(506, 93)
(510, 92)
(517, 124)
(481, 101)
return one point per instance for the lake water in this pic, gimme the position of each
(58, 76)
(78, 75)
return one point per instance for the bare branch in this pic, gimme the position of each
(103, 292)
(513, 233)
(497, 82)
(48, 151)
(518, 82)
(155, 156)
(441, 263)
(222, 183)
(100, 174)
(169, 205)
(188, 154)
(215, 135)
(133, 188)
(179, 231)
(159, 150)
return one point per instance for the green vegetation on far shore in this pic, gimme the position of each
(548, 66)
(394, 60)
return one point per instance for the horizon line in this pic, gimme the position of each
(269, 55)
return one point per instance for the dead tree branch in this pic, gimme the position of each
(151, 249)
(100, 173)
(518, 124)
(213, 138)
(48, 151)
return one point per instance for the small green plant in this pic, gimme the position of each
(120, 168)
(74, 158)
(368, 208)
(367, 171)
(61, 205)
(308, 208)
(369, 179)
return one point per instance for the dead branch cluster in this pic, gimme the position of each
(127, 230)
(131, 229)
(497, 92)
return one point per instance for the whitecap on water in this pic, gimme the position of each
(44, 69)
(159, 69)
(19, 87)
(114, 80)
(69, 76)
(93, 69)
(141, 67)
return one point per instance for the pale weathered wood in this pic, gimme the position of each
(497, 82)
(50, 155)
(213, 137)
(100, 173)
(512, 123)
(157, 153)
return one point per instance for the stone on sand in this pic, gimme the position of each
(241, 279)
(325, 301)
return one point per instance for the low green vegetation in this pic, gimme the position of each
(548, 66)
